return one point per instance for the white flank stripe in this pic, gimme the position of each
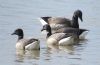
(42, 21)
(66, 41)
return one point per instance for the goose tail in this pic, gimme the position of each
(83, 35)
(43, 22)
(66, 41)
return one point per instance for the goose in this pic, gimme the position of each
(25, 44)
(59, 38)
(60, 22)
(80, 32)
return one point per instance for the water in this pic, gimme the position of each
(24, 13)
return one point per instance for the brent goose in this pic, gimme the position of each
(22, 43)
(59, 38)
(60, 22)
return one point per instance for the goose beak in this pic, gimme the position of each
(81, 18)
(42, 29)
(13, 33)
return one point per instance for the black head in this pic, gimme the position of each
(46, 27)
(18, 32)
(78, 13)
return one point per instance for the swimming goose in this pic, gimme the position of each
(59, 22)
(22, 43)
(80, 32)
(59, 38)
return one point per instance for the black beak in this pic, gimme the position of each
(42, 29)
(81, 18)
(46, 27)
(13, 33)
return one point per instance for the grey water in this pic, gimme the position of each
(25, 13)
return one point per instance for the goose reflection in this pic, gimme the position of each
(57, 49)
(53, 48)
(83, 41)
(70, 49)
(27, 54)
(32, 54)
(20, 55)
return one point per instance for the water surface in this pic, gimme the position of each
(25, 13)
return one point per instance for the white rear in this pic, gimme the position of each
(42, 21)
(66, 41)
(83, 35)
(33, 46)
(52, 41)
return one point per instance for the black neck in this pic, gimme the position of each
(49, 33)
(75, 23)
(20, 37)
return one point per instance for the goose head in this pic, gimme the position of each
(78, 13)
(18, 32)
(48, 29)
